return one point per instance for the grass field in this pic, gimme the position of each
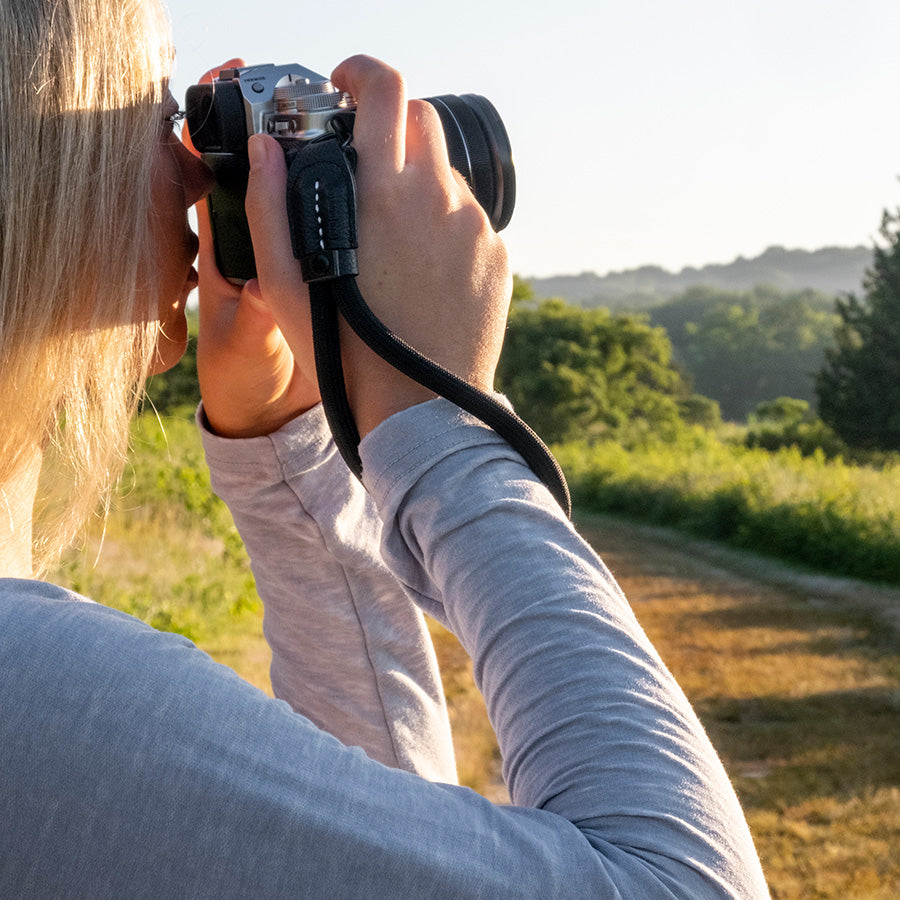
(800, 697)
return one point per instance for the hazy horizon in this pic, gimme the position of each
(680, 269)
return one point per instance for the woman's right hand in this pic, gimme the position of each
(431, 267)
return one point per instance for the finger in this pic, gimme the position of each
(281, 284)
(224, 306)
(379, 131)
(267, 216)
(426, 143)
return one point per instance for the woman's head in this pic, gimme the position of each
(83, 88)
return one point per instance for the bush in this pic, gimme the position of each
(789, 422)
(825, 513)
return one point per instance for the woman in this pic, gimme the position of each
(131, 765)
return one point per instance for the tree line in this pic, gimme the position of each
(743, 348)
(766, 356)
(705, 355)
(831, 270)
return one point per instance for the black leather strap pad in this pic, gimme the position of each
(321, 203)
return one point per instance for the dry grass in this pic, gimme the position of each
(799, 693)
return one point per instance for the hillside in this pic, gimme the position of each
(833, 270)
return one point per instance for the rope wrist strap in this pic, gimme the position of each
(321, 195)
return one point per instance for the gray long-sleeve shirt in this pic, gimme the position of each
(133, 766)
(349, 648)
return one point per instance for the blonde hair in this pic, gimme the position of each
(81, 91)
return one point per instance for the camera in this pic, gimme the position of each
(297, 106)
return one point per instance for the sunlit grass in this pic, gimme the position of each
(827, 513)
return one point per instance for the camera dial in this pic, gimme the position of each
(303, 107)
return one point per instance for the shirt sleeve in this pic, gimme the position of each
(350, 651)
(591, 725)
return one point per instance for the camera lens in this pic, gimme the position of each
(479, 148)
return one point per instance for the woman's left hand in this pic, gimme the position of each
(249, 380)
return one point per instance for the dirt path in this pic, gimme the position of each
(797, 679)
(643, 557)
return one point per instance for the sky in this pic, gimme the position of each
(644, 132)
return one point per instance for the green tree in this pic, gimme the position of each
(745, 347)
(790, 422)
(522, 291)
(859, 386)
(572, 372)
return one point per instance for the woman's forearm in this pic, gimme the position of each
(591, 724)
(350, 651)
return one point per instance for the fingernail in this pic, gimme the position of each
(254, 294)
(257, 150)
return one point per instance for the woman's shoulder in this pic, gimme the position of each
(51, 634)
(33, 612)
(14, 590)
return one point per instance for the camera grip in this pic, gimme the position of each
(231, 232)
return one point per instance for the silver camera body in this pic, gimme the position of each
(288, 101)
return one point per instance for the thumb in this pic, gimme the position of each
(281, 289)
(279, 272)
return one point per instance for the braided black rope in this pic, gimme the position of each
(342, 295)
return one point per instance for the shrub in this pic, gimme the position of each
(826, 513)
